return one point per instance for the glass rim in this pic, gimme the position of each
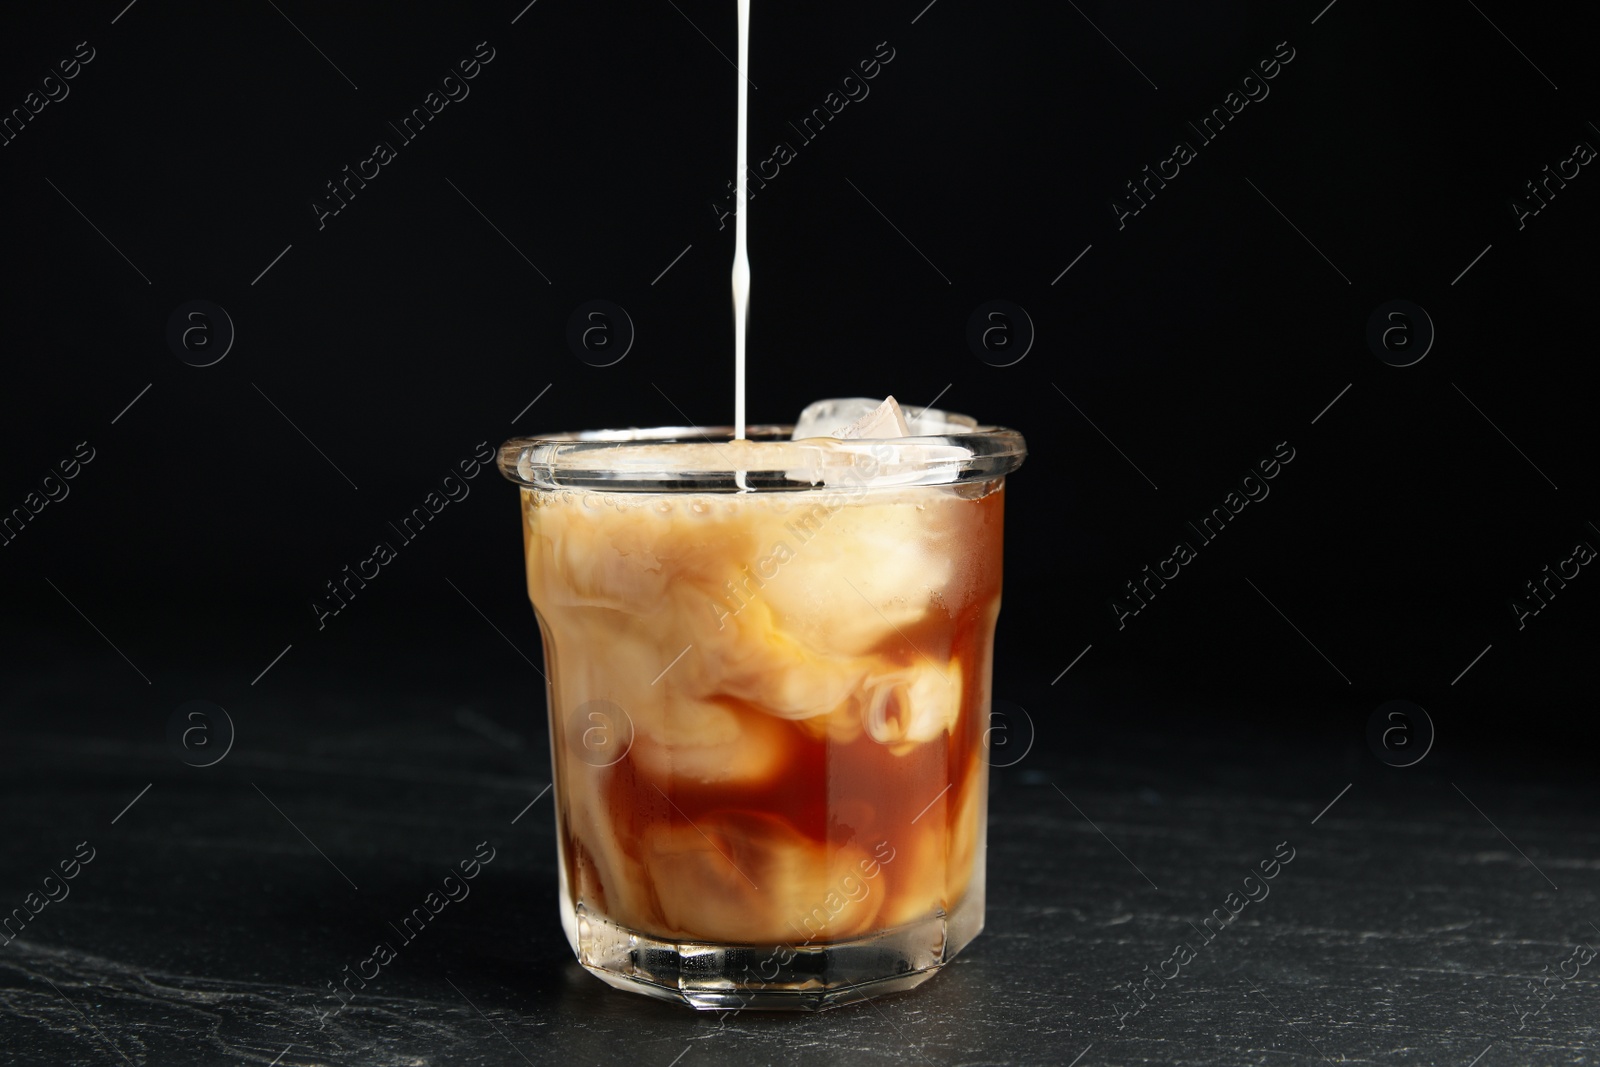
(707, 459)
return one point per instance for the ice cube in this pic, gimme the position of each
(688, 740)
(829, 418)
(750, 877)
(912, 705)
(860, 570)
(863, 427)
(885, 420)
(826, 417)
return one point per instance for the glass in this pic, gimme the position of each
(768, 667)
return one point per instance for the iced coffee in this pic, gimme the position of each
(768, 667)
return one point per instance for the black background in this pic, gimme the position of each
(414, 325)
(407, 330)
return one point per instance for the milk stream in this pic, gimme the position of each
(741, 257)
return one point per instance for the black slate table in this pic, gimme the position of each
(222, 902)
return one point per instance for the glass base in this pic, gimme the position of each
(714, 977)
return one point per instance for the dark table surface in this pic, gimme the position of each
(222, 901)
